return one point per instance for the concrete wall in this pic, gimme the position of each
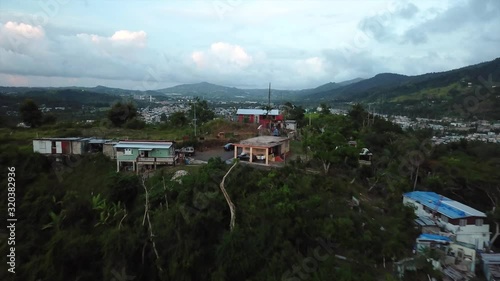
(109, 150)
(77, 147)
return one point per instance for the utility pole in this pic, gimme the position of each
(269, 97)
(194, 119)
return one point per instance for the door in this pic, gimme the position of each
(65, 147)
(58, 147)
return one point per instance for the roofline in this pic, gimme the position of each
(146, 141)
(254, 146)
(483, 215)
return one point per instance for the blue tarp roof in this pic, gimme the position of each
(434, 237)
(443, 205)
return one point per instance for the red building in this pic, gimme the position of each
(259, 116)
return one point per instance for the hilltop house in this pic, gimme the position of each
(259, 116)
(135, 155)
(264, 148)
(466, 223)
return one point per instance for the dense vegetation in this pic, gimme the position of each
(79, 220)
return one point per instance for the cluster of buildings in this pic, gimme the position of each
(490, 137)
(457, 234)
(153, 114)
(130, 155)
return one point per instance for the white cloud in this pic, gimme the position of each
(26, 30)
(222, 57)
(293, 44)
(312, 67)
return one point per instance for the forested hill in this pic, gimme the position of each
(428, 95)
(387, 85)
(60, 97)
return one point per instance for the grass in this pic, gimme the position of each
(432, 93)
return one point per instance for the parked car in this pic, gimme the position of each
(245, 157)
(188, 150)
(261, 157)
(229, 147)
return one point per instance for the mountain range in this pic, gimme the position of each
(430, 92)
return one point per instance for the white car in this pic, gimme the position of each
(188, 150)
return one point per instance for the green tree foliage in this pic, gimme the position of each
(49, 119)
(30, 113)
(293, 112)
(89, 223)
(135, 124)
(178, 119)
(324, 109)
(203, 112)
(120, 113)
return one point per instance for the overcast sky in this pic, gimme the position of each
(298, 44)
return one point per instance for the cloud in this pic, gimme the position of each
(293, 44)
(22, 29)
(137, 38)
(311, 67)
(28, 51)
(222, 57)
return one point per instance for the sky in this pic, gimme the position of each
(153, 44)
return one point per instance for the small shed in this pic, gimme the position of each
(57, 145)
(109, 150)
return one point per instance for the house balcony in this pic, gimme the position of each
(156, 160)
(146, 159)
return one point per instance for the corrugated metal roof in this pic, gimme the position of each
(490, 258)
(98, 141)
(59, 139)
(425, 221)
(145, 145)
(447, 207)
(273, 112)
(262, 141)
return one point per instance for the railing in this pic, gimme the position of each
(169, 160)
(145, 159)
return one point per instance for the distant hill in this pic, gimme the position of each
(431, 94)
(214, 91)
(204, 89)
(60, 97)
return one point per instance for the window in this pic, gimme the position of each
(128, 151)
(479, 222)
(463, 222)
(444, 218)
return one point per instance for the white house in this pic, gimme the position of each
(466, 223)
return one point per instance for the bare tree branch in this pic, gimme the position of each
(232, 208)
(146, 215)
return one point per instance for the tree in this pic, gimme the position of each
(30, 113)
(324, 109)
(293, 112)
(120, 113)
(49, 119)
(203, 112)
(329, 147)
(163, 117)
(178, 119)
